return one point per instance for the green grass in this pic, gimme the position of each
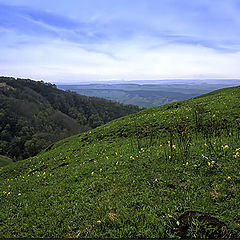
(4, 161)
(146, 175)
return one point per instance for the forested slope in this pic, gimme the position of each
(35, 114)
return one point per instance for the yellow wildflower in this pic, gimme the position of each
(92, 173)
(99, 221)
(187, 164)
(229, 178)
(213, 162)
(225, 147)
(19, 194)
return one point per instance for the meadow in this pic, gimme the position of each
(166, 172)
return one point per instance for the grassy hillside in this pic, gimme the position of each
(4, 161)
(35, 114)
(165, 172)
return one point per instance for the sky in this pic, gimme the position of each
(94, 40)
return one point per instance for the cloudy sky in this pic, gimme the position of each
(91, 40)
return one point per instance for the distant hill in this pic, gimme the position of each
(150, 94)
(35, 114)
(166, 172)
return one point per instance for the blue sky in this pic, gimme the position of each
(91, 40)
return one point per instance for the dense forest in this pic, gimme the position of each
(34, 114)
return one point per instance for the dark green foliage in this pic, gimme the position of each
(35, 114)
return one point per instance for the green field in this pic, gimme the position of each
(167, 172)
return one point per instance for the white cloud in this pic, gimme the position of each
(140, 40)
(62, 61)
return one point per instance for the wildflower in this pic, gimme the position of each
(229, 178)
(174, 146)
(99, 221)
(170, 157)
(205, 145)
(92, 173)
(100, 170)
(213, 162)
(204, 157)
(209, 164)
(19, 194)
(187, 164)
(195, 165)
(225, 147)
(156, 180)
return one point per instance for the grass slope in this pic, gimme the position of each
(4, 161)
(170, 171)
